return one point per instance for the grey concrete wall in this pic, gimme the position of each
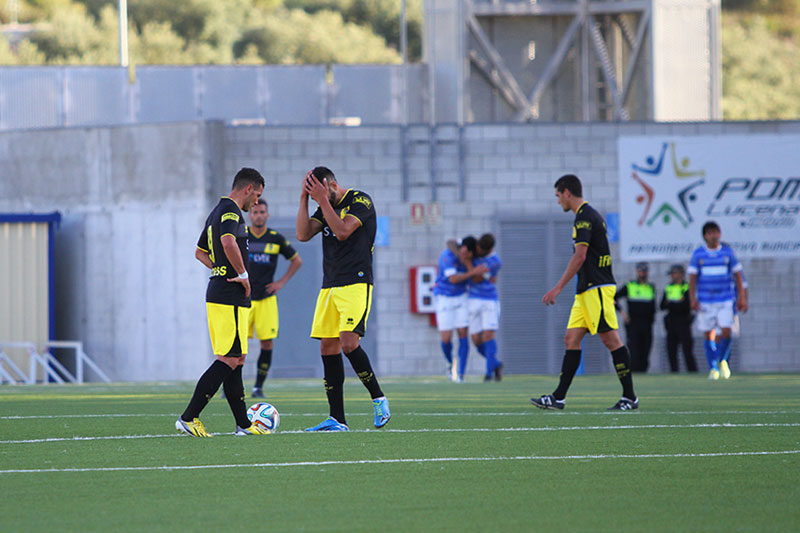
(134, 198)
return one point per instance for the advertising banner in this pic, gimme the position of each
(670, 186)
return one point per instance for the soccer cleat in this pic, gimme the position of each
(194, 428)
(724, 370)
(252, 430)
(624, 404)
(548, 401)
(329, 424)
(257, 393)
(382, 414)
(713, 374)
(498, 372)
(487, 377)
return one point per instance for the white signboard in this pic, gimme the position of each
(669, 187)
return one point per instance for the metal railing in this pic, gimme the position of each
(41, 357)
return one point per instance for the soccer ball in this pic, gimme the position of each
(264, 415)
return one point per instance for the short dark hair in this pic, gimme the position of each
(470, 242)
(263, 202)
(486, 242)
(571, 183)
(322, 173)
(710, 225)
(247, 176)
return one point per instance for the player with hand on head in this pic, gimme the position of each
(265, 244)
(593, 307)
(222, 247)
(346, 218)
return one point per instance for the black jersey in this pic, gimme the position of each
(264, 250)
(349, 261)
(590, 229)
(225, 219)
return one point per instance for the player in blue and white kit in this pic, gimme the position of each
(713, 271)
(484, 306)
(450, 293)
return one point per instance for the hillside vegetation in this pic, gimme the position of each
(760, 39)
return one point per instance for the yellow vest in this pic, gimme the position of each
(675, 291)
(640, 292)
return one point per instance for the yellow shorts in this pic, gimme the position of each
(342, 309)
(594, 310)
(227, 325)
(264, 318)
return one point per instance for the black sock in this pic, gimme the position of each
(234, 393)
(264, 362)
(360, 363)
(570, 364)
(207, 387)
(622, 364)
(334, 385)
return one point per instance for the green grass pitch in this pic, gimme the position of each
(697, 456)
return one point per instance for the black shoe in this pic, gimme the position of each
(548, 402)
(487, 377)
(624, 404)
(257, 393)
(498, 372)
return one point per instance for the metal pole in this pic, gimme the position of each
(404, 52)
(123, 33)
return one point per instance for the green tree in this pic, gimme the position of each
(761, 73)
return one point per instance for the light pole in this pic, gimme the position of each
(123, 33)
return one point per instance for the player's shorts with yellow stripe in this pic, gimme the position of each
(264, 318)
(227, 325)
(342, 309)
(593, 309)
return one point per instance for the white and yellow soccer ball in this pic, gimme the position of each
(264, 415)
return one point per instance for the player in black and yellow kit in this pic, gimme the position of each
(265, 245)
(593, 309)
(222, 247)
(346, 219)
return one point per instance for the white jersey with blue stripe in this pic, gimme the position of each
(449, 265)
(714, 270)
(485, 289)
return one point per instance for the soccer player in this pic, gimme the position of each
(265, 245)
(450, 294)
(346, 219)
(713, 271)
(484, 306)
(593, 307)
(222, 247)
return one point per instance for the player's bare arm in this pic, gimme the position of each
(695, 305)
(203, 257)
(573, 267)
(235, 257)
(305, 226)
(294, 265)
(319, 192)
(741, 301)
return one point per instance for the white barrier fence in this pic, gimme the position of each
(40, 357)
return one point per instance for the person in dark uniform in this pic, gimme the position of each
(222, 247)
(265, 245)
(678, 320)
(593, 308)
(346, 218)
(641, 296)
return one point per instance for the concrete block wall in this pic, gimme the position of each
(134, 197)
(509, 169)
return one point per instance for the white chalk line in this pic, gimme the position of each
(401, 461)
(430, 430)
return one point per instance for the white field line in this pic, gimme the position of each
(435, 430)
(396, 461)
(442, 414)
